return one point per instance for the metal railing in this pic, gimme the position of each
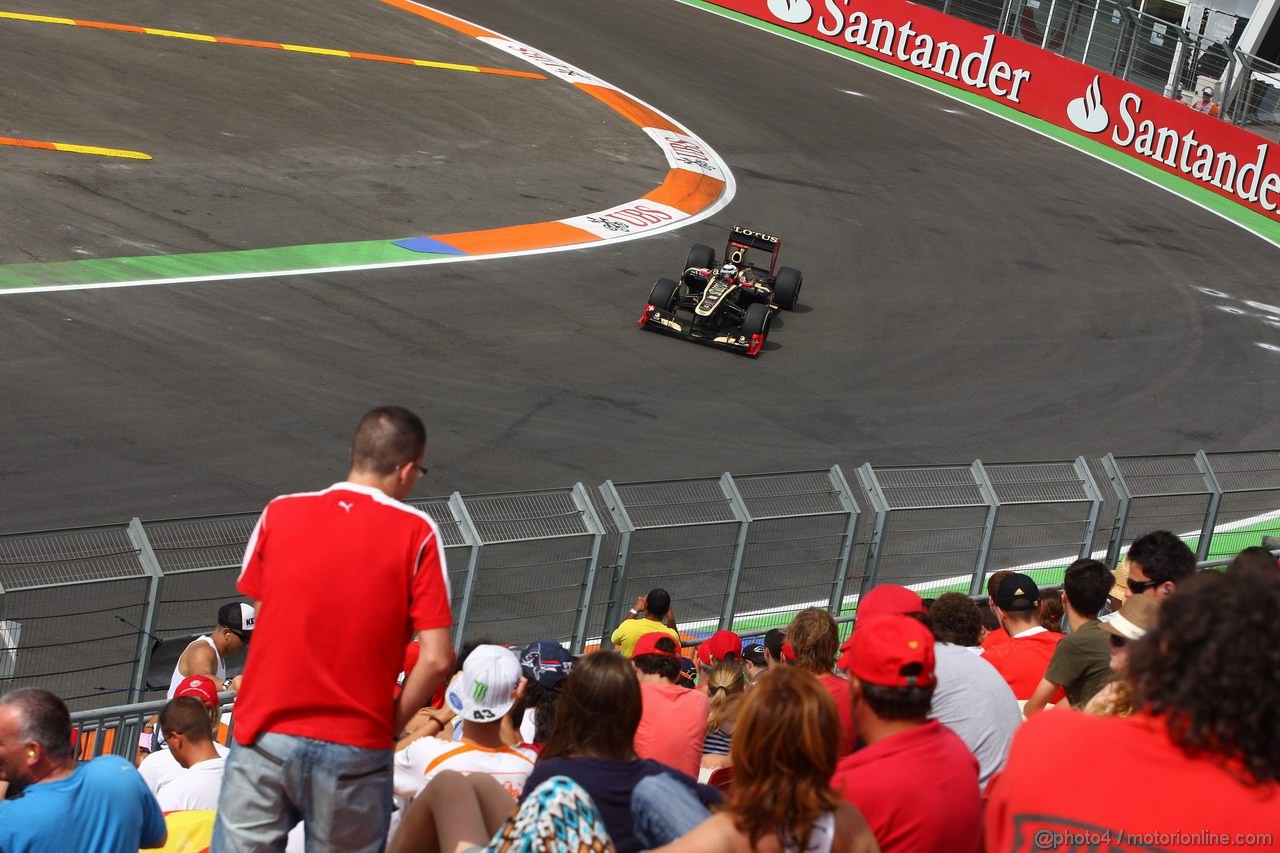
(83, 612)
(116, 730)
(1146, 50)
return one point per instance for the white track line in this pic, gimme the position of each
(730, 190)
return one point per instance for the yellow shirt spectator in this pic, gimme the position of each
(633, 629)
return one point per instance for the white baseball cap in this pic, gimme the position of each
(482, 694)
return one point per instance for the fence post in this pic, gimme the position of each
(1239, 62)
(845, 495)
(1173, 85)
(467, 527)
(593, 523)
(150, 565)
(867, 476)
(1048, 25)
(1120, 37)
(740, 512)
(1122, 511)
(10, 635)
(1007, 16)
(989, 530)
(622, 519)
(1133, 18)
(1215, 502)
(1095, 506)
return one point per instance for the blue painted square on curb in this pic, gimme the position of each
(426, 244)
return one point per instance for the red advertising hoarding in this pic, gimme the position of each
(1201, 149)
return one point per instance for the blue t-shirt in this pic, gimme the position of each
(103, 806)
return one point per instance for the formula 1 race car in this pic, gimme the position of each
(730, 304)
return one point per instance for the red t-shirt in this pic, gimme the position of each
(998, 637)
(839, 689)
(673, 726)
(1022, 661)
(917, 789)
(344, 577)
(1125, 786)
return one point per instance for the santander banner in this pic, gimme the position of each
(1232, 162)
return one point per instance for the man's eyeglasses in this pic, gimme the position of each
(422, 469)
(242, 636)
(1116, 642)
(1139, 587)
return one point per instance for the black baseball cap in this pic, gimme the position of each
(239, 618)
(1017, 592)
(754, 652)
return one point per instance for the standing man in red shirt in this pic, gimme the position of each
(340, 578)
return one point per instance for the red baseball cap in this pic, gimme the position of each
(890, 651)
(202, 687)
(718, 646)
(648, 645)
(889, 600)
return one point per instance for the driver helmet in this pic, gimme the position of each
(729, 271)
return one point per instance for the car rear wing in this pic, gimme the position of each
(749, 238)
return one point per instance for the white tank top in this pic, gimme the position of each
(178, 677)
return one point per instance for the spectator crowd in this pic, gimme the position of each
(1129, 710)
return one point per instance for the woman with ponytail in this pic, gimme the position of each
(726, 684)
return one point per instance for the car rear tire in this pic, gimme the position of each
(786, 288)
(664, 293)
(701, 257)
(756, 321)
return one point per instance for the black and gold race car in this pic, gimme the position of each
(730, 303)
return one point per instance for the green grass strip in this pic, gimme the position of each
(1250, 220)
(200, 264)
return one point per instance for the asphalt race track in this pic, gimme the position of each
(971, 290)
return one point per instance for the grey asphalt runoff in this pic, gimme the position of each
(971, 289)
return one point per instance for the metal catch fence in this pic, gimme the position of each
(94, 614)
(1156, 53)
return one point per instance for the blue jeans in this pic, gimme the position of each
(664, 810)
(343, 793)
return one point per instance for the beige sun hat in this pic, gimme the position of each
(1120, 589)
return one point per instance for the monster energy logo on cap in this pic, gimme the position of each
(485, 690)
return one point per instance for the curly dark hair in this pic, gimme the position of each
(1209, 667)
(955, 618)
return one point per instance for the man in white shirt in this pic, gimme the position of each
(207, 655)
(491, 680)
(186, 728)
(161, 767)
